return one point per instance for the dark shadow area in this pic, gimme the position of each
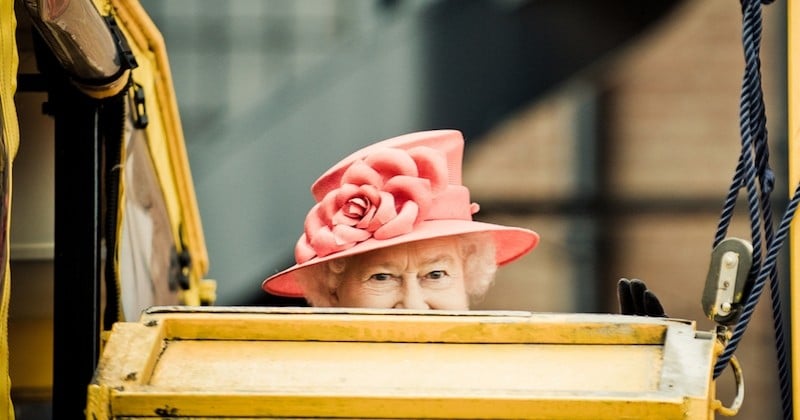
(485, 59)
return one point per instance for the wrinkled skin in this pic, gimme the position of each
(417, 275)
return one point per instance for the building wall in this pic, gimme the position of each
(666, 110)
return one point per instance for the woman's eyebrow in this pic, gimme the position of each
(380, 266)
(438, 258)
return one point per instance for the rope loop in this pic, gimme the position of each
(755, 176)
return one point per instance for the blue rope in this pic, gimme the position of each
(749, 307)
(754, 174)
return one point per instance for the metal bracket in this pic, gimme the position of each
(725, 283)
(138, 105)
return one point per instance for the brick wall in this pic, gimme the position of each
(666, 109)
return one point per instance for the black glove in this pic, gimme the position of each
(635, 299)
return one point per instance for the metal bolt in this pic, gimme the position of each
(729, 260)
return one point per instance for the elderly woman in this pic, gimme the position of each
(393, 228)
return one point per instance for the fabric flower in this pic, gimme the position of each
(380, 196)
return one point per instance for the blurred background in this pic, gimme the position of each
(611, 128)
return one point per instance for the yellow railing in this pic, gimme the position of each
(793, 62)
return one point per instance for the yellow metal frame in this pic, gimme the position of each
(793, 82)
(168, 150)
(9, 141)
(312, 362)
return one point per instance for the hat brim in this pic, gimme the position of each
(510, 244)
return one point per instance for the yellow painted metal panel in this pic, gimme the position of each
(377, 325)
(574, 407)
(9, 142)
(165, 134)
(307, 362)
(793, 81)
(344, 368)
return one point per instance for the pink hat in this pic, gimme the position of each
(403, 189)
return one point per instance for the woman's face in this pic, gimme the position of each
(418, 275)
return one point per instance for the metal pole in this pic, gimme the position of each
(793, 83)
(76, 323)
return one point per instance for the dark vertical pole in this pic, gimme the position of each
(586, 225)
(76, 341)
(606, 207)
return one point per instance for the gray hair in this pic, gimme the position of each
(477, 251)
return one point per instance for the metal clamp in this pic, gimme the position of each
(727, 277)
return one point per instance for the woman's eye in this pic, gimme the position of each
(381, 277)
(437, 274)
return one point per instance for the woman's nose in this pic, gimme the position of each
(412, 297)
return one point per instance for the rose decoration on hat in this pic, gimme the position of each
(381, 196)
